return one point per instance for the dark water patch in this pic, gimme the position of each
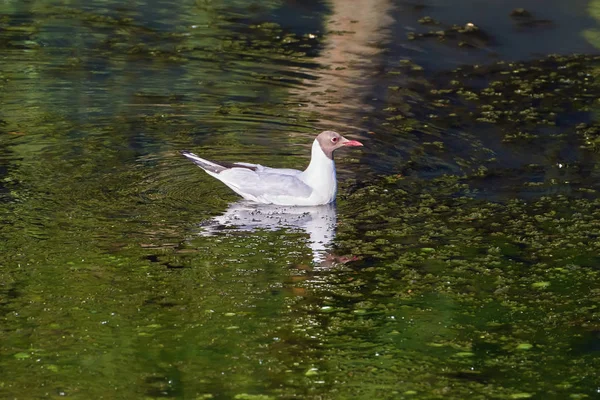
(169, 261)
(549, 30)
(480, 120)
(586, 343)
(470, 377)
(10, 291)
(163, 386)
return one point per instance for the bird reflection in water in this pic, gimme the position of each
(319, 222)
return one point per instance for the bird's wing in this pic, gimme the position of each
(261, 169)
(264, 184)
(282, 171)
(216, 167)
(220, 166)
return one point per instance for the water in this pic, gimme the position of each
(460, 260)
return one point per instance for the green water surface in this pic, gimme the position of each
(466, 258)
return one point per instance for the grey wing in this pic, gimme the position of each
(262, 169)
(282, 171)
(261, 184)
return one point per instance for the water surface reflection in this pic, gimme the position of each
(351, 58)
(318, 222)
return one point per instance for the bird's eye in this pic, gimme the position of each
(334, 139)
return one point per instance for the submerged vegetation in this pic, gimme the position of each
(465, 263)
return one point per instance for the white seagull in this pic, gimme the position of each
(314, 186)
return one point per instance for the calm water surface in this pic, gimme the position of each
(460, 261)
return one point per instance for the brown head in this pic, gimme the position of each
(330, 141)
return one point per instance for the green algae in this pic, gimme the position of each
(487, 256)
(506, 282)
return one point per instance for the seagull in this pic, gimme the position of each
(314, 186)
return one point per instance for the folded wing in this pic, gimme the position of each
(265, 184)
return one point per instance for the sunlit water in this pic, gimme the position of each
(460, 261)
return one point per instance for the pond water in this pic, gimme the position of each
(461, 260)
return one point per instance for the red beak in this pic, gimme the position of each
(352, 143)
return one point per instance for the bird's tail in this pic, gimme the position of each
(206, 165)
